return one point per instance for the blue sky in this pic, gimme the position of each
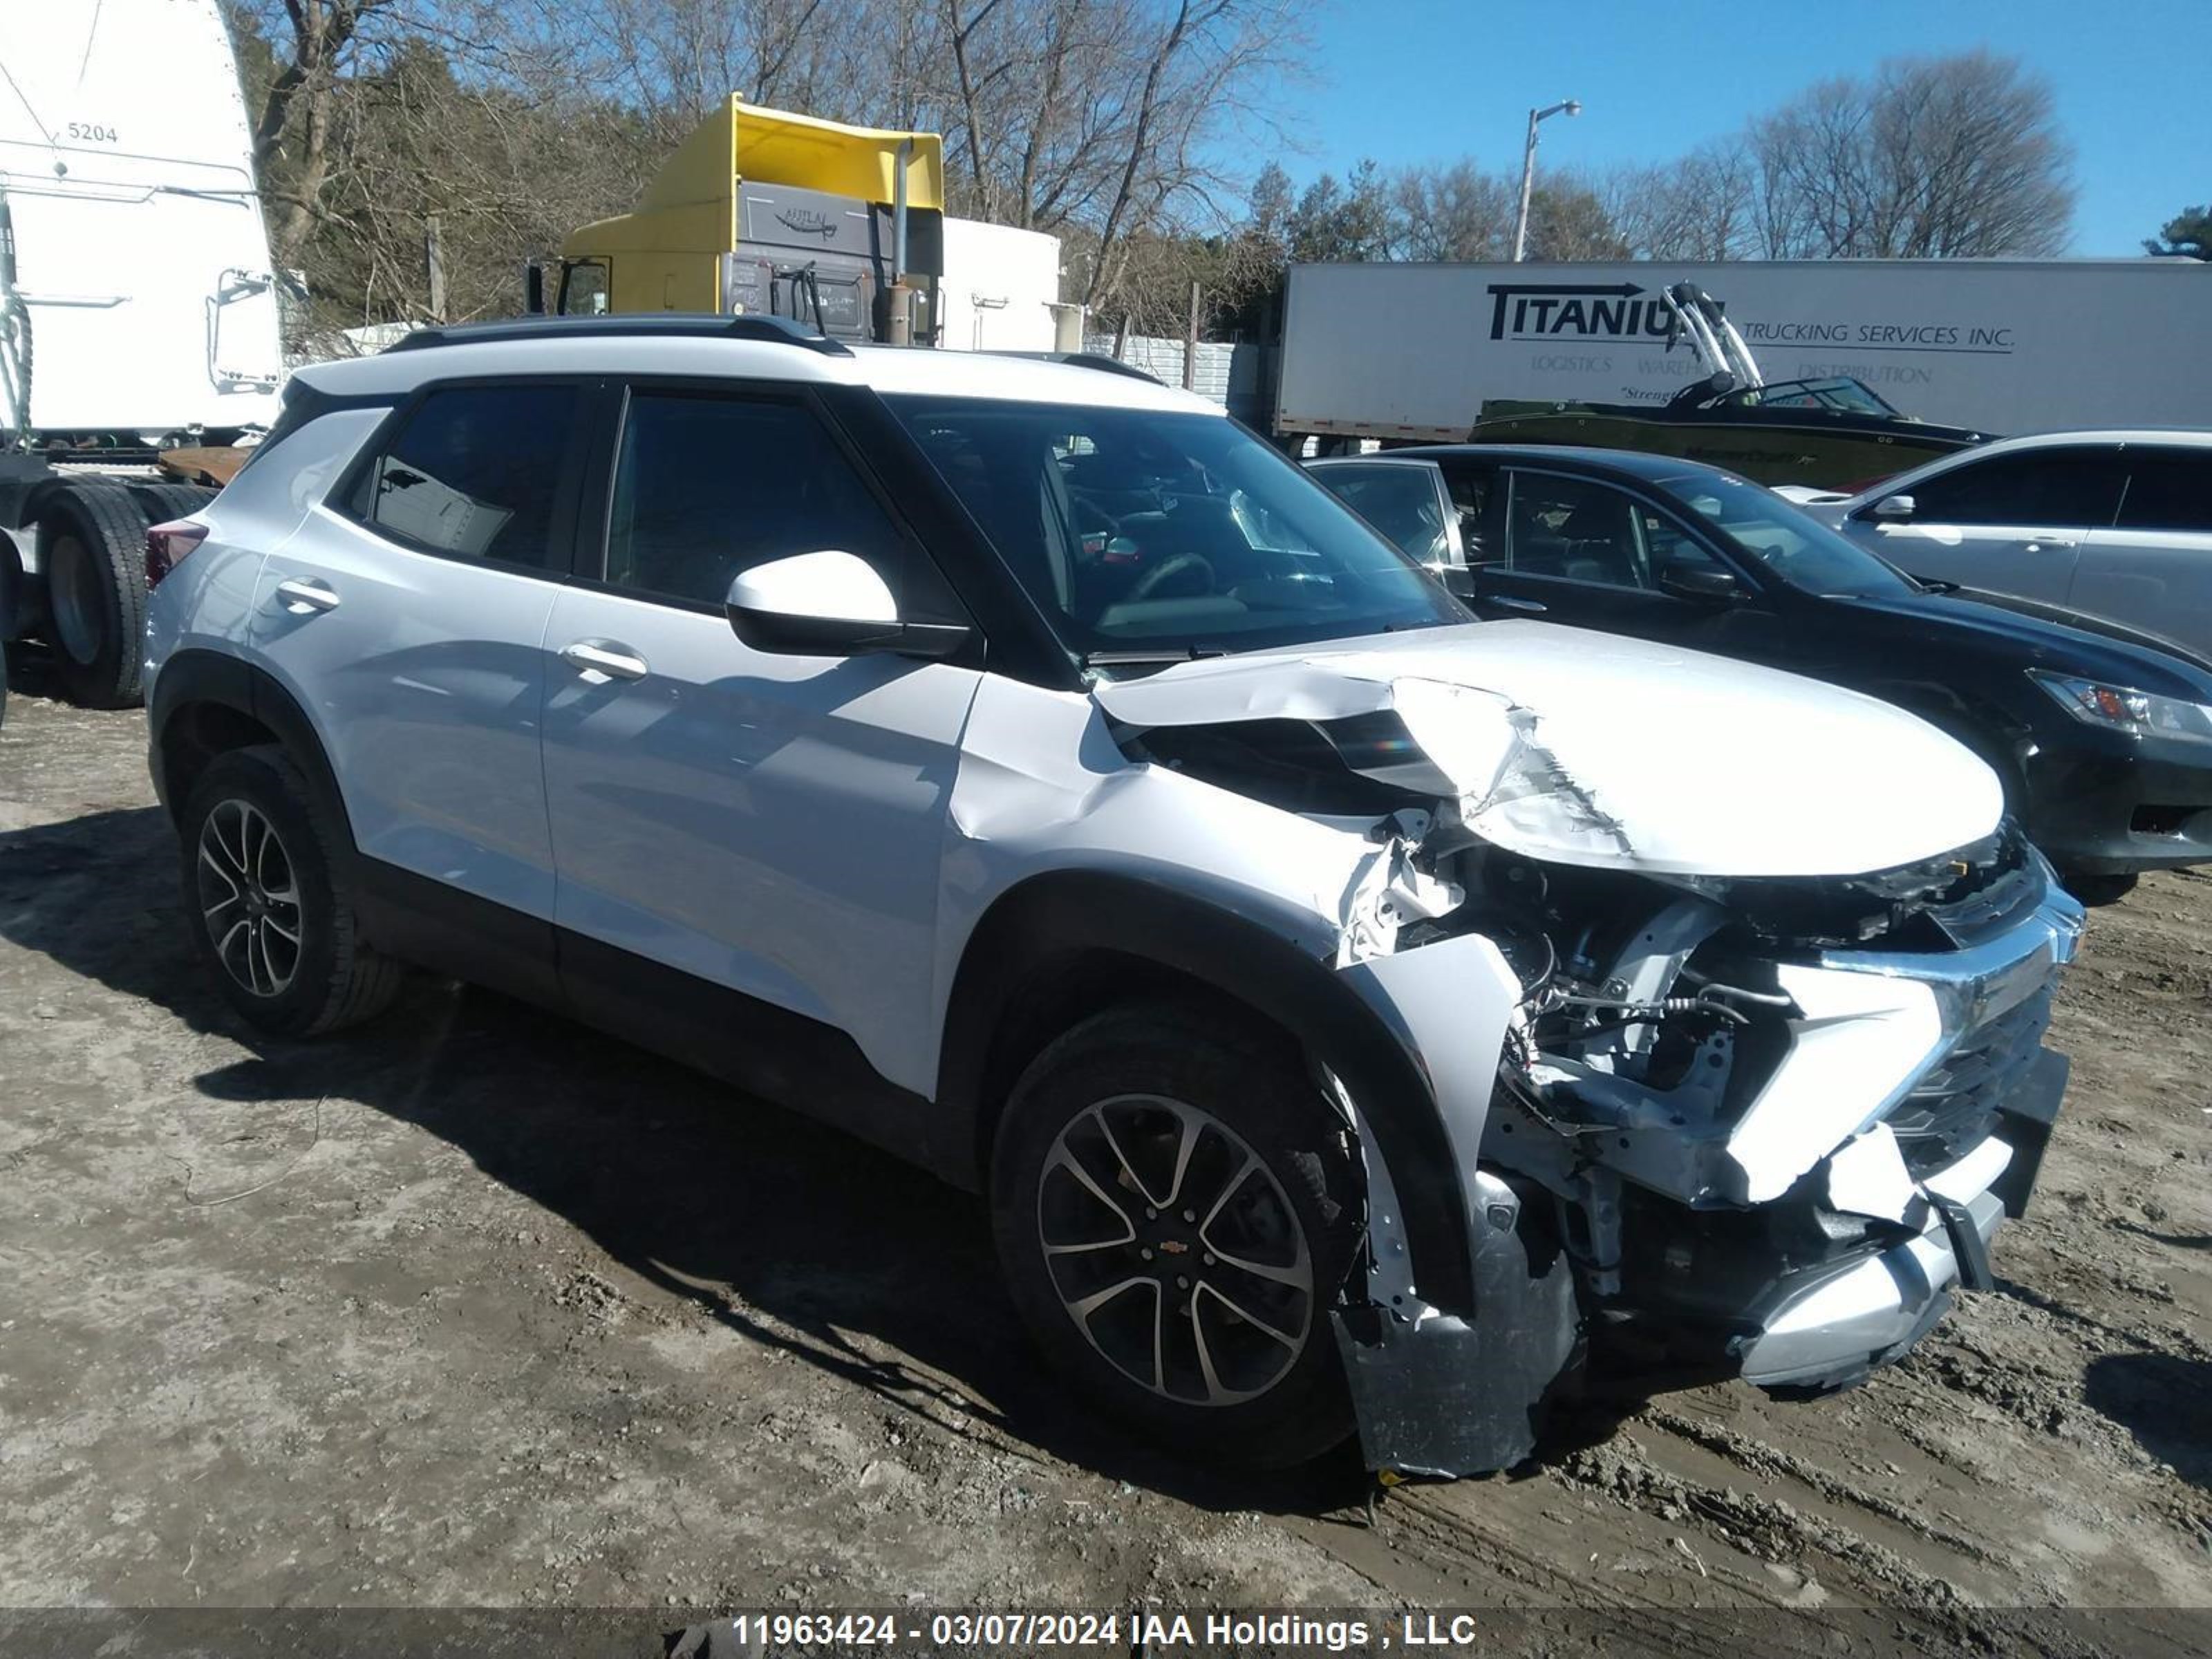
(1430, 80)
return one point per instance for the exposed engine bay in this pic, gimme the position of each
(1763, 1123)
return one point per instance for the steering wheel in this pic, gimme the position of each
(1173, 565)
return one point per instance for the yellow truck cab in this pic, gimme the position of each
(764, 211)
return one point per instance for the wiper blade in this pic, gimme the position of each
(1140, 658)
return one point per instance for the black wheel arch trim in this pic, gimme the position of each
(194, 678)
(1043, 926)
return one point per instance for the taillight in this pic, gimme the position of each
(166, 545)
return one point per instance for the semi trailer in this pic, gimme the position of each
(1432, 353)
(138, 310)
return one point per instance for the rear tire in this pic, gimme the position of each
(1208, 1326)
(92, 554)
(272, 914)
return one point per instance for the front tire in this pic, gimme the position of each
(1176, 1211)
(272, 918)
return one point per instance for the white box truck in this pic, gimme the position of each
(137, 308)
(1001, 290)
(1414, 352)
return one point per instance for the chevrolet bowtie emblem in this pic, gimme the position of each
(1174, 1247)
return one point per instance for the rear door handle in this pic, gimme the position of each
(2055, 544)
(601, 660)
(304, 596)
(1514, 602)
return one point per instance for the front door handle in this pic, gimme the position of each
(1514, 602)
(601, 660)
(304, 596)
(2053, 544)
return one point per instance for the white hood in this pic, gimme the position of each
(1592, 748)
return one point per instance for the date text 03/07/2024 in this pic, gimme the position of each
(1142, 1630)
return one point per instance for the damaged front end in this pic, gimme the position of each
(1760, 1125)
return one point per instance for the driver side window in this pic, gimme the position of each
(708, 486)
(1670, 549)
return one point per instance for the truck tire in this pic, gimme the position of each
(22, 609)
(1176, 1211)
(161, 502)
(270, 911)
(91, 552)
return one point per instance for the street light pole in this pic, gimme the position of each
(1564, 107)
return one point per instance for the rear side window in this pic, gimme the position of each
(1573, 528)
(2168, 489)
(2031, 487)
(473, 472)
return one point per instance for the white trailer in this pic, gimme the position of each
(1414, 351)
(137, 307)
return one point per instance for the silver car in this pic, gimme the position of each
(2115, 523)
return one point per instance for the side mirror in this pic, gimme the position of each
(1699, 582)
(828, 605)
(533, 289)
(1893, 507)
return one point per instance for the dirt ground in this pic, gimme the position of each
(475, 1307)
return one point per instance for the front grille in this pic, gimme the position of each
(1956, 1104)
(1955, 901)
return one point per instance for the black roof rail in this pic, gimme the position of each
(1097, 360)
(646, 325)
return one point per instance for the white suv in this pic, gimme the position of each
(1348, 1008)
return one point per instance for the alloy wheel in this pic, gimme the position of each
(249, 898)
(1175, 1250)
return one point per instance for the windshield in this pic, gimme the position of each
(1854, 397)
(1138, 530)
(1794, 546)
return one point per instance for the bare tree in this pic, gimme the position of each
(1931, 158)
(1102, 119)
(311, 45)
(1699, 206)
(1451, 211)
(676, 61)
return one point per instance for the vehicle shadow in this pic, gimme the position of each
(792, 1234)
(2179, 1241)
(2165, 1401)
